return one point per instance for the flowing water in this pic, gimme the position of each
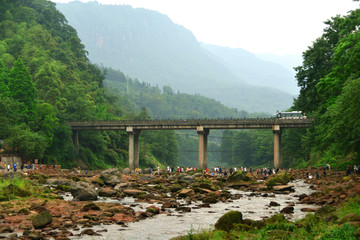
(171, 223)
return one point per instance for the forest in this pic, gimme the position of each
(46, 79)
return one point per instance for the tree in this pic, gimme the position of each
(22, 88)
(4, 90)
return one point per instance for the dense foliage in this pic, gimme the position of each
(329, 79)
(46, 80)
(330, 91)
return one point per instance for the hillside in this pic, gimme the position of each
(147, 45)
(46, 80)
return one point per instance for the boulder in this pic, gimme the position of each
(175, 187)
(5, 229)
(184, 178)
(107, 192)
(59, 181)
(90, 206)
(210, 199)
(133, 192)
(287, 209)
(185, 192)
(34, 236)
(238, 177)
(183, 209)
(283, 187)
(121, 185)
(170, 204)
(83, 191)
(42, 219)
(111, 176)
(274, 204)
(152, 209)
(126, 171)
(227, 221)
(309, 209)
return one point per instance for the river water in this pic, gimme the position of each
(171, 223)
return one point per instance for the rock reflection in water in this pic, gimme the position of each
(171, 224)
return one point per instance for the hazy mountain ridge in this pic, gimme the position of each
(147, 45)
(253, 70)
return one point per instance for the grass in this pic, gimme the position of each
(18, 188)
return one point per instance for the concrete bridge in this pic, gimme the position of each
(203, 127)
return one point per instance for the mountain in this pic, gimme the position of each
(147, 45)
(254, 70)
(288, 61)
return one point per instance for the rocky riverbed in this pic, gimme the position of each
(114, 205)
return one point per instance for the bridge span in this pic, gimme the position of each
(202, 126)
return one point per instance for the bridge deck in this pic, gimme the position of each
(247, 123)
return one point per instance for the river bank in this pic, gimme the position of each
(140, 202)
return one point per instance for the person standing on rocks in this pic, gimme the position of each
(8, 167)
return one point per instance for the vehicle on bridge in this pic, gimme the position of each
(291, 115)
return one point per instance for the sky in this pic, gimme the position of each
(282, 27)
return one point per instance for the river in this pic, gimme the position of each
(171, 223)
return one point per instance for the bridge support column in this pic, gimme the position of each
(133, 147)
(76, 140)
(277, 146)
(203, 144)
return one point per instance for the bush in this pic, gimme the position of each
(346, 231)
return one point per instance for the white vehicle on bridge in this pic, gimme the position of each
(291, 115)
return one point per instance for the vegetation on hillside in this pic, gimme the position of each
(329, 79)
(330, 91)
(46, 80)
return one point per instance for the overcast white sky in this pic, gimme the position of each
(260, 26)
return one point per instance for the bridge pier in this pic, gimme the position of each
(133, 147)
(76, 140)
(203, 145)
(277, 146)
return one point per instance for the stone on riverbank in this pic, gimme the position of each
(283, 187)
(82, 191)
(111, 176)
(133, 192)
(227, 221)
(184, 178)
(287, 209)
(42, 219)
(278, 179)
(5, 229)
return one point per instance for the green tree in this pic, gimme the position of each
(28, 144)
(4, 90)
(22, 88)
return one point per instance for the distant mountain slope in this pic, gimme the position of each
(255, 71)
(147, 45)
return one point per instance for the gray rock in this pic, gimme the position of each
(83, 191)
(184, 178)
(5, 229)
(59, 181)
(126, 171)
(111, 176)
(42, 219)
(121, 185)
